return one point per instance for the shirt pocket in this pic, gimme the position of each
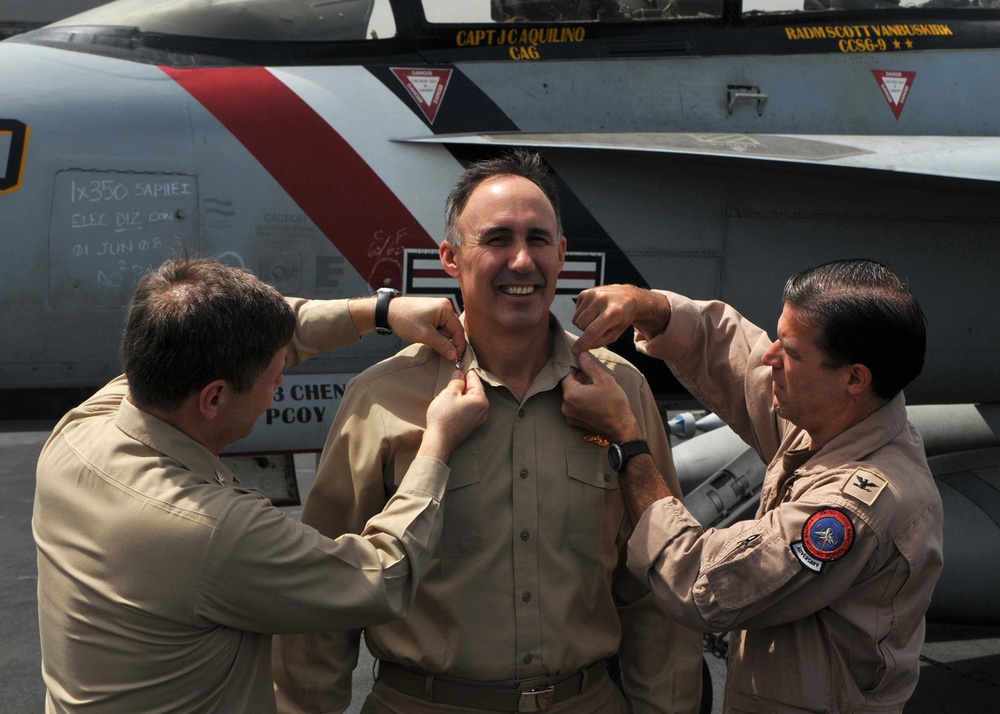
(595, 505)
(461, 533)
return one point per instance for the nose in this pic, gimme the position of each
(771, 357)
(521, 260)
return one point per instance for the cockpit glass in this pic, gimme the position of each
(259, 20)
(536, 11)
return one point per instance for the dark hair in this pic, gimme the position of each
(519, 162)
(867, 315)
(193, 321)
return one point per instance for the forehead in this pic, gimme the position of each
(793, 330)
(500, 196)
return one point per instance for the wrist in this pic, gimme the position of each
(621, 453)
(434, 445)
(652, 313)
(628, 431)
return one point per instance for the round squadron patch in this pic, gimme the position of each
(828, 534)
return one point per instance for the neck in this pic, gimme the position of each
(861, 410)
(515, 357)
(188, 424)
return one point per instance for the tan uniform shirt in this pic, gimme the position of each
(160, 581)
(528, 578)
(835, 626)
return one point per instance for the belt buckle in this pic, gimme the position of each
(536, 700)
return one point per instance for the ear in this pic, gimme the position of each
(212, 398)
(859, 379)
(562, 251)
(449, 258)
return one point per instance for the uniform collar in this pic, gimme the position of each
(870, 434)
(549, 377)
(172, 443)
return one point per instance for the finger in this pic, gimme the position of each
(585, 318)
(473, 385)
(583, 315)
(590, 367)
(570, 383)
(443, 345)
(452, 329)
(595, 335)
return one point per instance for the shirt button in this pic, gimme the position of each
(526, 659)
(525, 535)
(607, 477)
(526, 597)
(524, 473)
(520, 413)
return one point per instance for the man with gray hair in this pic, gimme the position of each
(526, 598)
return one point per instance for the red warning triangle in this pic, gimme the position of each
(426, 86)
(895, 86)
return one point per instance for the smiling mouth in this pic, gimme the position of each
(517, 289)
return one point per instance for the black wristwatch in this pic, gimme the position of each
(382, 298)
(619, 454)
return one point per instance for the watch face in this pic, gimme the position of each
(615, 457)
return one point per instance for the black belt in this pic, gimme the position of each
(530, 695)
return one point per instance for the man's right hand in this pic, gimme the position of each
(454, 414)
(605, 312)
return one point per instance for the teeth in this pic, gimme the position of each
(522, 290)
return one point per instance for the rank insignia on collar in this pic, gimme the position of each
(220, 479)
(826, 536)
(864, 485)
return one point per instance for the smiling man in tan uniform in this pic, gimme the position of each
(527, 595)
(826, 590)
(160, 579)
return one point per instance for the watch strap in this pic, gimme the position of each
(383, 296)
(632, 448)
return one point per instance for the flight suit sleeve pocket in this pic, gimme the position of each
(595, 505)
(752, 568)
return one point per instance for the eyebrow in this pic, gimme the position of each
(504, 230)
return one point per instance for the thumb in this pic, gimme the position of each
(457, 380)
(590, 366)
(473, 385)
(444, 347)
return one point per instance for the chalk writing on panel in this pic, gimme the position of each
(109, 228)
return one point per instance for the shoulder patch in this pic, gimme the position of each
(827, 535)
(864, 485)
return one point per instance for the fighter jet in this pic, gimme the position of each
(712, 147)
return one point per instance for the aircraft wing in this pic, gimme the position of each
(976, 157)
